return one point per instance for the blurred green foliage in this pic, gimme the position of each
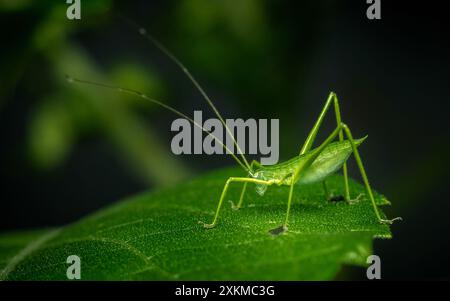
(214, 37)
(65, 113)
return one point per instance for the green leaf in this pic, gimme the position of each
(157, 235)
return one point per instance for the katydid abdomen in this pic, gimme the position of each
(329, 161)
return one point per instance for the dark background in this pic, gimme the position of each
(67, 151)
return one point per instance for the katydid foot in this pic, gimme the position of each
(278, 230)
(389, 221)
(207, 226)
(234, 207)
(355, 200)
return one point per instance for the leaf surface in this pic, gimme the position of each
(157, 235)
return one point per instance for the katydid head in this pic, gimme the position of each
(260, 174)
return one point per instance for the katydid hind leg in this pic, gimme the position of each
(365, 179)
(332, 99)
(315, 129)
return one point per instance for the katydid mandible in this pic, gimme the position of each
(310, 166)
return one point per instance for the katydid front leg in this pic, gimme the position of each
(244, 189)
(224, 191)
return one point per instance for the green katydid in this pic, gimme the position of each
(310, 166)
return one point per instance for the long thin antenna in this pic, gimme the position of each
(174, 59)
(173, 110)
